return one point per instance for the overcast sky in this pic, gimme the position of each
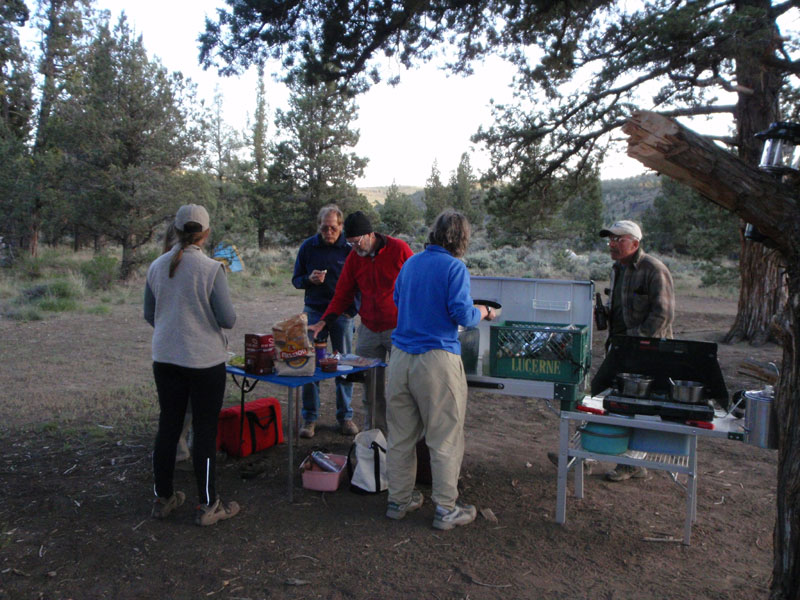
(429, 116)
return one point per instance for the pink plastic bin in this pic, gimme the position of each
(316, 479)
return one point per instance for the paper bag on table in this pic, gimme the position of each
(294, 352)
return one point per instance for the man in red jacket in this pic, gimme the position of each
(370, 270)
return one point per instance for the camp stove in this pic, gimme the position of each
(658, 404)
(661, 360)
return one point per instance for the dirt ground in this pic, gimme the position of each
(75, 493)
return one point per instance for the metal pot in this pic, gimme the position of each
(759, 421)
(631, 384)
(685, 391)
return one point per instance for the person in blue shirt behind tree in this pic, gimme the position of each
(427, 392)
(319, 263)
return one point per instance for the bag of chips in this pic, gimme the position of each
(294, 352)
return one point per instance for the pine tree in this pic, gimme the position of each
(398, 212)
(129, 133)
(436, 196)
(318, 134)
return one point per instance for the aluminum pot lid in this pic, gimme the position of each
(768, 393)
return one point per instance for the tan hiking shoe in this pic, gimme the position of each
(307, 430)
(162, 507)
(208, 514)
(623, 472)
(348, 427)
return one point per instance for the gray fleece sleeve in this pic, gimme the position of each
(149, 305)
(221, 301)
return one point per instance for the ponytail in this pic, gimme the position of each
(184, 239)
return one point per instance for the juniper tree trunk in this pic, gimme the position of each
(762, 294)
(786, 535)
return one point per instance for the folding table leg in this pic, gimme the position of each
(563, 459)
(691, 491)
(290, 407)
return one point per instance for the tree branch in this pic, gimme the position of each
(758, 197)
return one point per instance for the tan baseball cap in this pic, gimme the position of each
(623, 228)
(191, 213)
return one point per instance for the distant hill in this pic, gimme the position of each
(376, 195)
(628, 198)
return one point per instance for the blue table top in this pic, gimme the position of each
(293, 382)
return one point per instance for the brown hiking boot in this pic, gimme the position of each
(208, 514)
(348, 427)
(162, 507)
(307, 430)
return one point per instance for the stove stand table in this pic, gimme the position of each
(293, 384)
(570, 453)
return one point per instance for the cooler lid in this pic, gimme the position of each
(662, 359)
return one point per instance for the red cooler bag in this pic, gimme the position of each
(262, 427)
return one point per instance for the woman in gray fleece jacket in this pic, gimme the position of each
(187, 302)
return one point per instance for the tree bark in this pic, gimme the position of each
(762, 294)
(669, 148)
(763, 284)
(786, 535)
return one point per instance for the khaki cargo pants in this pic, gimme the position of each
(427, 396)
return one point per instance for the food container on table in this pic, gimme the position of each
(259, 353)
(315, 478)
(329, 364)
(604, 439)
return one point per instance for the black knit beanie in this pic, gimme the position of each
(357, 224)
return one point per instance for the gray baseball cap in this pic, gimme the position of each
(191, 213)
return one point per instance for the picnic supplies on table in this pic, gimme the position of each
(294, 351)
(258, 429)
(368, 476)
(259, 353)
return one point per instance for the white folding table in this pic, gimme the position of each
(572, 454)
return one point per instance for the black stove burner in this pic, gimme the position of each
(667, 410)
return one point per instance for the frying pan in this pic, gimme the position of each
(498, 308)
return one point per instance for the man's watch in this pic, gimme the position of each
(489, 313)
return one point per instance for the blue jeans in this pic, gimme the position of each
(340, 335)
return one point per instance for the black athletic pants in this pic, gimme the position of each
(205, 389)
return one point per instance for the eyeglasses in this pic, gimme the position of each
(325, 228)
(357, 241)
(616, 239)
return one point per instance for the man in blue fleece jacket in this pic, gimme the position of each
(427, 385)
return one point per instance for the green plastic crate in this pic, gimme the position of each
(540, 351)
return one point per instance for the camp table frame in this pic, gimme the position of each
(246, 382)
(572, 454)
